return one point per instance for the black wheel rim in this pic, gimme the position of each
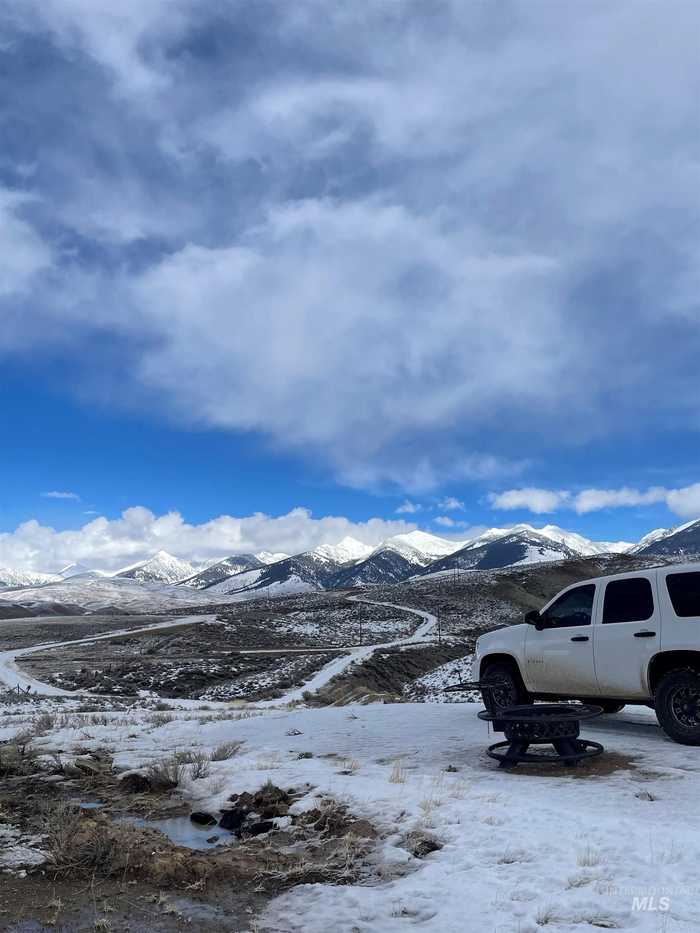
(685, 706)
(502, 692)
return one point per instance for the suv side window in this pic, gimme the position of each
(684, 590)
(573, 608)
(628, 601)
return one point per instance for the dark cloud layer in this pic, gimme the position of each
(384, 235)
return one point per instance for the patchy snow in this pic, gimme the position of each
(12, 677)
(19, 850)
(538, 555)
(242, 586)
(430, 688)
(292, 586)
(357, 655)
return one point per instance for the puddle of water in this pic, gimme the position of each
(87, 804)
(195, 910)
(183, 832)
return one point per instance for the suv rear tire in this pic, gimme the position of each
(677, 702)
(510, 690)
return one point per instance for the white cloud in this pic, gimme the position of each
(450, 504)
(109, 544)
(592, 500)
(533, 499)
(446, 522)
(684, 501)
(318, 255)
(57, 494)
(409, 508)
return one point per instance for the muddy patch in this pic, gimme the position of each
(604, 765)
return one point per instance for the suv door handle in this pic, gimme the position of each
(580, 638)
(644, 634)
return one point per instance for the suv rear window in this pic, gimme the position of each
(684, 590)
(628, 601)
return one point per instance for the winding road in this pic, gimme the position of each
(12, 677)
(338, 665)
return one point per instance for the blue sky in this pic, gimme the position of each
(321, 260)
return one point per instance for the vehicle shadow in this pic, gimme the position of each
(627, 724)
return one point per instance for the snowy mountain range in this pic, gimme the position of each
(9, 577)
(671, 542)
(349, 563)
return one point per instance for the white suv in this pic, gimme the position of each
(629, 638)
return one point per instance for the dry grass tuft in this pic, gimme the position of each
(589, 857)
(225, 751)
(199, 763)
(349, 766)
(167, 772)
(547, 914)
(160, 719)
(512, 856)
(72, 848)
(398, 774)
(43, 723)
(17, 757)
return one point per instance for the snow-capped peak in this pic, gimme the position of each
(349, 549)
(271, 557)
(420, 546)
(161, 568)
(660, 533)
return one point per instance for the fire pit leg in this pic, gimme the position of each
(515, 750)
(567, 749)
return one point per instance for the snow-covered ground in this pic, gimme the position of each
(520, 852)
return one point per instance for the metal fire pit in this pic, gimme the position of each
(556, 724)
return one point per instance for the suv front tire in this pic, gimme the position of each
(509, 689)
(677, 702)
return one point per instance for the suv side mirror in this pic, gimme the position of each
(533, 617)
